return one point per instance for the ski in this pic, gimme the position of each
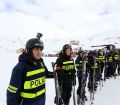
(74, 99)
(58, 97)
(81, 100)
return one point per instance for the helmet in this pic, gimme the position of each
(79, 52)
(33, 43)
(66, 46)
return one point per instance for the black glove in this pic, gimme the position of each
(60, 72)
(50, 75)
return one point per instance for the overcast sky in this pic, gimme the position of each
(58, 17)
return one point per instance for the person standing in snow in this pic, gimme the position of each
(66, 73)
(109, 64)
(27, 83)
(82, 76)
(93, 71)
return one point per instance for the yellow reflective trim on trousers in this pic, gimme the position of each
(34, 83)
(68, 67)
(34, 72)
(12, 87)
(67, 62)
(10, 90)
(32, 95)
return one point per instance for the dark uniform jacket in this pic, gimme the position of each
(27, 83)
(65, 68)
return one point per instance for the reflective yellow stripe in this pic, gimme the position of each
(116, 57)
(95, 66)
(12, 87)
(80, 61)
(10, 90)
(68, 67)
(34, 72)
(34, 83)
(96, 58)
(110, 59)
(77, 64)
(101, 58)
(32, 95)
(67, 62)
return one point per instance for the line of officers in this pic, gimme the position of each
(27, 83)
(97, 66)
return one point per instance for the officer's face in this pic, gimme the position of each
(101, 53)
(80, 54)
(37, 52)
(68, 51)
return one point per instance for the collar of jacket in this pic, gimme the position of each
(29, 59)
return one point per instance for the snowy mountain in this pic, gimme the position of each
(109, 37)
(55, 44)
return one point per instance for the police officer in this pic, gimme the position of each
(119, 62)
(93, 71)
(66, 73)
(101, 61)
(27, 83)
(116, 61)
(82, 76)
(110, 64)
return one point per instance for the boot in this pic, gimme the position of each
(85, 98)
(78, 99)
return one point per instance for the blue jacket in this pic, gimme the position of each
(19, 80)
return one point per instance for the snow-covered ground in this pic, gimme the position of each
(109, 95)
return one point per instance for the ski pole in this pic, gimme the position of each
(57, 87)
